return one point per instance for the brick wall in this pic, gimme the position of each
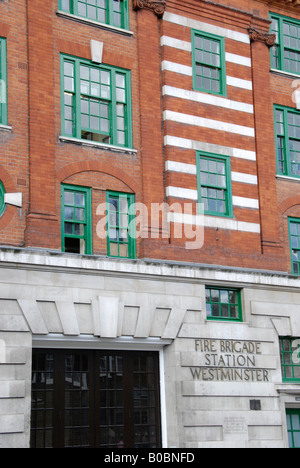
(35, 161)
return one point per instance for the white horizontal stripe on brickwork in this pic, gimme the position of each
(208, 123)
(179, 192)
(182, 168)
(238, 59)
(214, 222)
(246, 202)
(205, 27)
(244, 178)
(175, 43)
(239, 83)
(174, 166)
(210, 99)
(209, 148)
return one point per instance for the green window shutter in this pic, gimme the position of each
(287, 130)
(285, 55)
(120, 225)
(223, 304)
(112, 12)
(214, 184)
(76, 219)
(209, 66)
(96, 102)
(3, 82)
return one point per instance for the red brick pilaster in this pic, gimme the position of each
(42, 228)
(150, 111)
(265, 141)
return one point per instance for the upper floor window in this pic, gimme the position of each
(112, 12)
(287, 126)
(96, 102)
(290, 358)
(293, 426)
(285, 55)
(294, 233)
(76, 219)
(214, 184)
(3, 81)
(223, 304)
(121, 229)
(209, 69)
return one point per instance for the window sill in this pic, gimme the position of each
(95, 144)
(285, 74)
(89, 22)
(291, 179)
(5, 128)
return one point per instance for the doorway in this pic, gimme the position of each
(95, 399)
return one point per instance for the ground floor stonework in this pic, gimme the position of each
(96, 352)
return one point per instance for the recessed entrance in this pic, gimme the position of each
(95, 399)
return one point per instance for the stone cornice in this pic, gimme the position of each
(258, 36)
(40, 260)
(157, 6)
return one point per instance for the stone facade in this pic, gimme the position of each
(211, 371)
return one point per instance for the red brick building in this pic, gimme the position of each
(190, 110)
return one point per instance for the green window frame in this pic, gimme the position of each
(214, 184)
(121, 239)
(287, 131)
(285, 54)
(290, 359)
(111, 12)
(3, 82)
(76, 219)
(294, 236)
(209, 65)
(96, 102)
(223, 304)
(293, 427)
(2, 204)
